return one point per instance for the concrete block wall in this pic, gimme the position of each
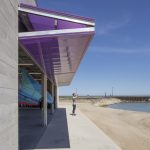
(9, 74)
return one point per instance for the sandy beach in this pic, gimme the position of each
(128, 129)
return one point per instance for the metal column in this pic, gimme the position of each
(44, 94)
(56, 96)
(52, 105)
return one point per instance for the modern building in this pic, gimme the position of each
(49, 46)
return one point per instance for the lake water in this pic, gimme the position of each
(144, 107)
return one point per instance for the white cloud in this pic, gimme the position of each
(100, 49)
(108, 28)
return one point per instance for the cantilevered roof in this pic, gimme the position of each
(55, 41)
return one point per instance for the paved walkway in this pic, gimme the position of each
(74, 133)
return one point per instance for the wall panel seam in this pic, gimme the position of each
(8, 22)
(9, 88)
(9, 64)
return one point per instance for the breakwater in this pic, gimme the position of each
(134, 98)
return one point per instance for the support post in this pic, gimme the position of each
(52, 105)
(44, 95)
(56, 96)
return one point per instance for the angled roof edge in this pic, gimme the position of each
(55, 14)
(68, 83)
(35, 34)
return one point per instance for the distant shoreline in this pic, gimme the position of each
(103, 101)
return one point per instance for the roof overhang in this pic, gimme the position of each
(57, 44)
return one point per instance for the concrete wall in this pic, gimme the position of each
(29, 2)
(8, 75)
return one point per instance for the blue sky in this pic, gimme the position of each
(119, 55)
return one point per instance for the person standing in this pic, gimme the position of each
(74, 98)
(41, 103)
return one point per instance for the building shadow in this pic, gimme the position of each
(33, 135)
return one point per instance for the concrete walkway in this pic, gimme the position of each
(82, 134)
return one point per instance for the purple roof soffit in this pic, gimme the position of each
(55, 12)
(41, 23)
(58, 55)
(58, 52)
(42, 51)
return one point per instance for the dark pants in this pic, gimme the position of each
(74, 108)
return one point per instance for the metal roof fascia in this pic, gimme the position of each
(35, 34)
(57, 12)
(71, 19)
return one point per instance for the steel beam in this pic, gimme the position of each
(56, 97)
(55, 33)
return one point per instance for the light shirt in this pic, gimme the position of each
(74, 100)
